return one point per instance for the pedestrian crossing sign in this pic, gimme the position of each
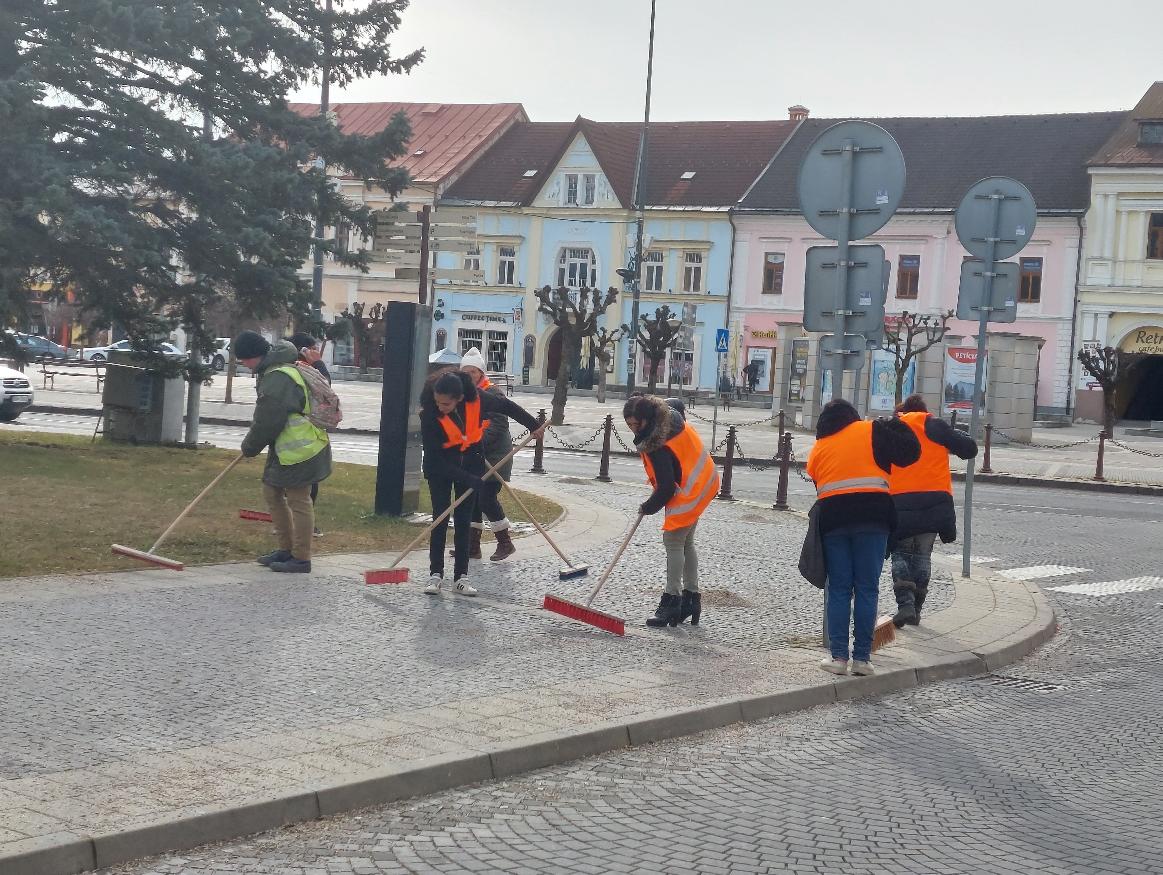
(721, 336)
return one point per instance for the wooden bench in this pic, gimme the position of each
(503, 380)
(51, 370)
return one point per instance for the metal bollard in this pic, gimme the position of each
(1102, 436)
(728, 465)
(604, 468)
(539, 448)
(985, 469)
(781, 424)
(784, 466)
(953, 419)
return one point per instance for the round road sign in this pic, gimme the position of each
(1016, 217)
(878, 179)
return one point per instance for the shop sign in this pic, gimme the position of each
(771, 335)
(1147, 341)
(484, 317)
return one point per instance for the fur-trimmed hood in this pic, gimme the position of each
(666, 423)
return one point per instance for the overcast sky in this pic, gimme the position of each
(751, 59)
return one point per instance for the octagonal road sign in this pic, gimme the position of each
(865, 294)
(1003, 294)
(1016, 217)
(878, 179)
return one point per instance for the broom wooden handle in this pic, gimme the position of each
(622, 549)
(464, 496)
(513, 495)
(193, 504)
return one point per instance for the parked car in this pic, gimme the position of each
(15, 393)
(39, 349)
(221, 353)
(101, 353)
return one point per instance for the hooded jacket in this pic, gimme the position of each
(921, 512)
(893, 443)
(278, 397)
(667, 423)
(450, 463)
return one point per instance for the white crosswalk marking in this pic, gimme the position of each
(1037, 572)
(1111, 587)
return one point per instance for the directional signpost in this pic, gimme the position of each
(850, 184)
(994, 221)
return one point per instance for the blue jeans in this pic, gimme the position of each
(854, 558)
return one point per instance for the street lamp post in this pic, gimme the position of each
(639, 194)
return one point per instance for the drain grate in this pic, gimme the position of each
(1027, 684)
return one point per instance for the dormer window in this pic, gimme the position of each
(687, 175)
(1151, 132)
(580, 189)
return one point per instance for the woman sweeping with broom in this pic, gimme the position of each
(685, 482)
(453, 419)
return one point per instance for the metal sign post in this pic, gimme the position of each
(994, 221)
(722, 339)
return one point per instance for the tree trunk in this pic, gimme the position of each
(570, 349)
(652, 381)
(900, 383)
(603, 363)
(1108, 411)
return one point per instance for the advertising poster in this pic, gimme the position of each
(1085, 380)
(960, 369)
(799, 371)
(882, 389)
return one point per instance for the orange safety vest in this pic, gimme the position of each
(700, 479)
(843, 463)
(484, 384)
(474, 427)
(930, 473)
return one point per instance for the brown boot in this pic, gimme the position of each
(474, 544)
(505, 547)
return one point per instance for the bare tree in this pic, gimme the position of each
(909, 336)
(603, 343)
(657, 336)
(1107, 365)
(575, 312)
(364, 328)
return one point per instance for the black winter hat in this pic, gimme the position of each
(302, 339)
(250, 345)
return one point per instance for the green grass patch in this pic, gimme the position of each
(66, 500)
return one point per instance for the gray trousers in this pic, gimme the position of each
(682, 562)
(912, 562)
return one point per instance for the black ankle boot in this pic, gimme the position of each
(918, 602)
(692, 606)
(667, 612)
(906, 606)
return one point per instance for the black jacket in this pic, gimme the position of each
(451, 464)
(893, 443)
(920, 512)
(668, 423)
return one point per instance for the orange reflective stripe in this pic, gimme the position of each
(843, 462)
(474, 427)
(930, 473)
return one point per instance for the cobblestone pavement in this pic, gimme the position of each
(1052, 766)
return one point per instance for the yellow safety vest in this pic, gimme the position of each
(300, 439)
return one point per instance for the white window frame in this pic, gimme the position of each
(692, 273)
(493, 339)
(589, 189)
(472, 258)
(572, 257)
(579, 189)
(468, 338)
(569, 190)
(653, 270)
(506, 265)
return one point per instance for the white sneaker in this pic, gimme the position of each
(434, 583)
(862, 668)
(834, 666)
(463, 587)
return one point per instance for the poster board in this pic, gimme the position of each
(960, 370)
(882, 385)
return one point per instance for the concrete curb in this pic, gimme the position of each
(67, 853)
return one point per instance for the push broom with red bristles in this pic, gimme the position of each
(263, 516)
(394, 574)
(571, 570)
(150, 555)
(883, 633)
(586, 614)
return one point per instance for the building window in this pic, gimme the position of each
(692, 273)
(1155, 236)
(441, 339)
(472, 258)
(908, 276)
(470, 338)
(1031, 289)
(652, 261)
(506, 265)
(773, 273)
(497, 353)
(577, 268)
(580, 189)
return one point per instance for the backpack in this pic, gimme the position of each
(322, 400)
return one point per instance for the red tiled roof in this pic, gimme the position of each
(444, 134)
(1123, 148)
(725, 157)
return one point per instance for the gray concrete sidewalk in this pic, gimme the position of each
(153, 710)
(1066, 454)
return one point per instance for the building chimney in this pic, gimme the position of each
(797, 113)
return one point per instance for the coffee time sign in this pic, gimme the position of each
(1145, 341)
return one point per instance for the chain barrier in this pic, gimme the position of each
(798, 469)
(1013, 440)
(521, 436)
(766, 420)
(622, 442)
(568, 446)
(741, 456)
(1123, 446)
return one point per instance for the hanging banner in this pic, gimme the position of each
(882, 389)
(960, 370)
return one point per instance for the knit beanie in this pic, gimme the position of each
(472, 358)
(250, 345)
(302, 339)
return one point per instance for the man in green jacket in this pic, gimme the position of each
(299, 453)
